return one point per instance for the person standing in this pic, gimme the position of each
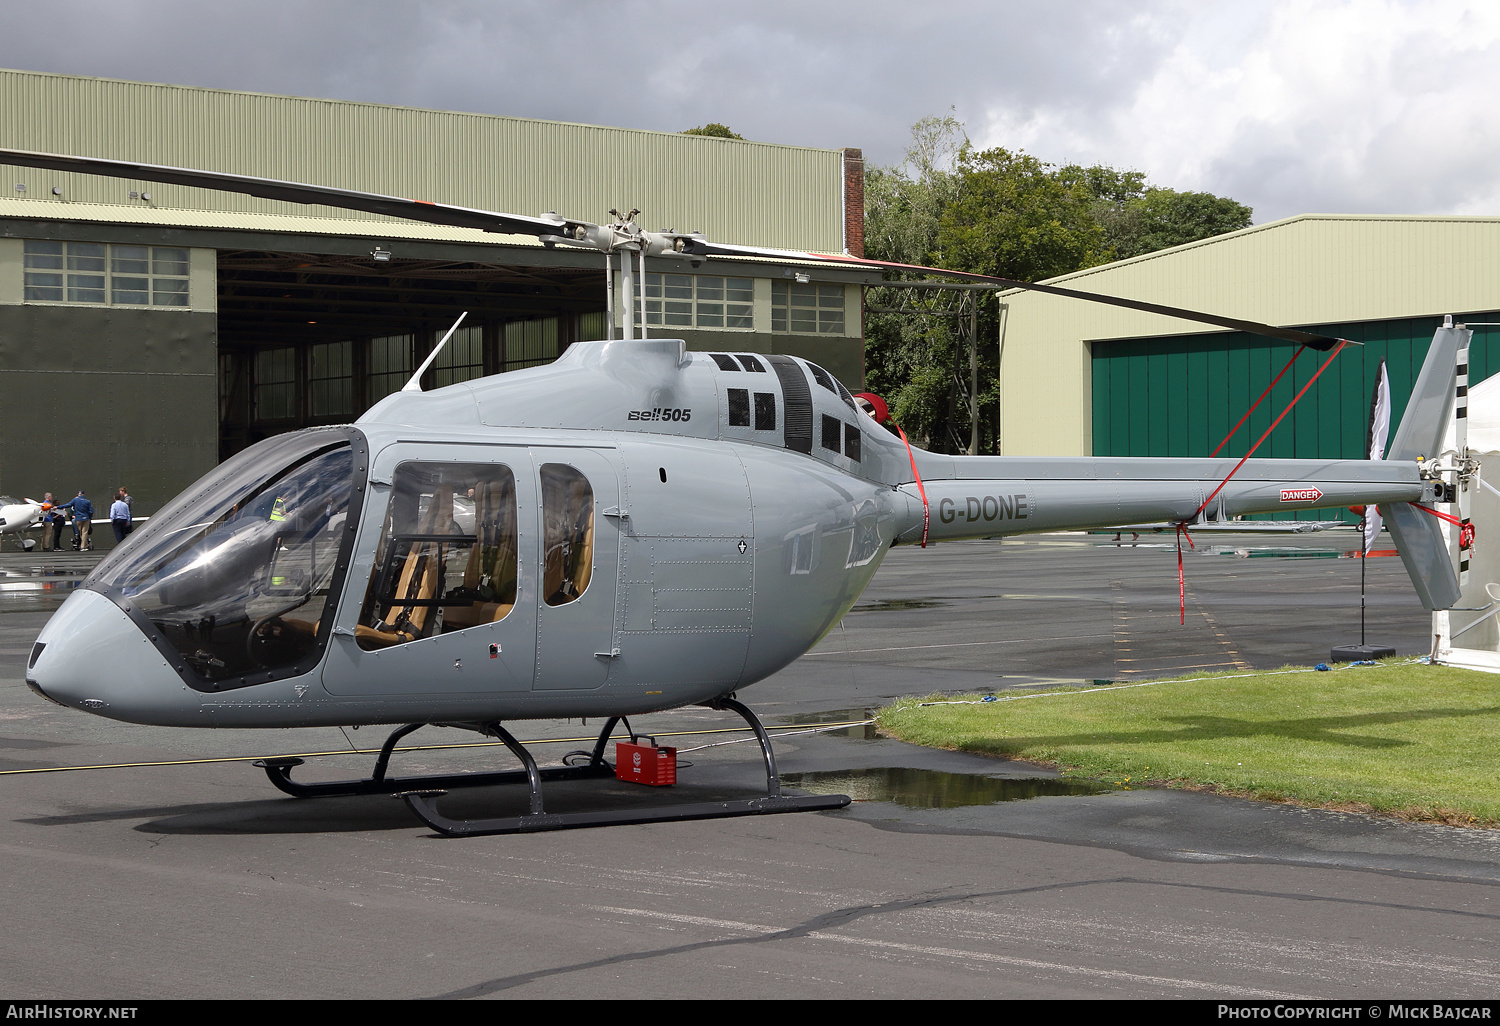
(52, 522)
(119, 516)
(83, 521)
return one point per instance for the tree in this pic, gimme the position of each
(908, 359)
(714, 129)
(1017, 217)
(1162, 218)
(1004, 213)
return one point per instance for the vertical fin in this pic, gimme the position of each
(1419, 536)
(1421, 432)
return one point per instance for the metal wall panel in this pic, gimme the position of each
(100, 397)
(745, 192)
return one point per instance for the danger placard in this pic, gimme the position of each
(1300, 495)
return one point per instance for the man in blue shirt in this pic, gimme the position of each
(119, 518)
(83, 521)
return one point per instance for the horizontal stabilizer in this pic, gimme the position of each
(1419, 539)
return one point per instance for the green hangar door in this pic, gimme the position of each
(1181, 395)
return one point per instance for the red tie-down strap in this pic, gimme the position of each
(1267, 433)
(1182, 527)
(1465, 529)
(1182, 581)
(1258, 401)
(912, 456)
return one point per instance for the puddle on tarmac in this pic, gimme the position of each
(863, 732)
(934, 789)
(895, 605)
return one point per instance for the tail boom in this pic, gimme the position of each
(1077, 494)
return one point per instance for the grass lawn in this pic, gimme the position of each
(1421, 742)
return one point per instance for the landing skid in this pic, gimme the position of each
(421, 793)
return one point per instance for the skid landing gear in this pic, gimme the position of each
(421, 793)
(280, 770)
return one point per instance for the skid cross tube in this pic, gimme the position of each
(280, 771)
(423, 802)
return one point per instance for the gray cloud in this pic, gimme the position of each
(1357, 105)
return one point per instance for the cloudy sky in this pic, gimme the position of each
(1366, 106)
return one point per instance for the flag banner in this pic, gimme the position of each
(1380, 427)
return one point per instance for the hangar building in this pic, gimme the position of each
(148, 331)
(1085, 379)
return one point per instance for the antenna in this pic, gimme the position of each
(415, 384)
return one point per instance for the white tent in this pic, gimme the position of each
(1469, 633)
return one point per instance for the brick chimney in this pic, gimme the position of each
(854, 202)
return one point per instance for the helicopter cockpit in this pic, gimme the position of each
(235, 576)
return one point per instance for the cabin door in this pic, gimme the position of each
(442, 596)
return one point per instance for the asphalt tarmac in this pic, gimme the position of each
(200, 880)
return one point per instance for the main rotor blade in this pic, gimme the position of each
(294, 192)
(514, 224)
(1307, 338)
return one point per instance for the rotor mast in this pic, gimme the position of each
(625, 237)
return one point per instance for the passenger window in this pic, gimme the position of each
(447, 556)
(567, 533)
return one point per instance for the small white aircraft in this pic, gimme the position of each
(18, 514)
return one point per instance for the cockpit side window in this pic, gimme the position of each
(447, 555)
(568, 533)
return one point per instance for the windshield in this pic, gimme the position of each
(237, 573)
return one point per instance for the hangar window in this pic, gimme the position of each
(330, 379)
(390, 365)
(97, 274)
(276, 384)
(461, 359)
(807, 309)
(529, 343)
(699, 301)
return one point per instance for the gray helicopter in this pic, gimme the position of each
(632, 528)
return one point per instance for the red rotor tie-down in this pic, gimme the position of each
(1258, 401)
(1267, 433)
(1465, 528)
(1182, 581)
(912, 456)
(1182, 526)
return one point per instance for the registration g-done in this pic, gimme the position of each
(983, 507)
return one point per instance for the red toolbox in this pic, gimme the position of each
(645, 763)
